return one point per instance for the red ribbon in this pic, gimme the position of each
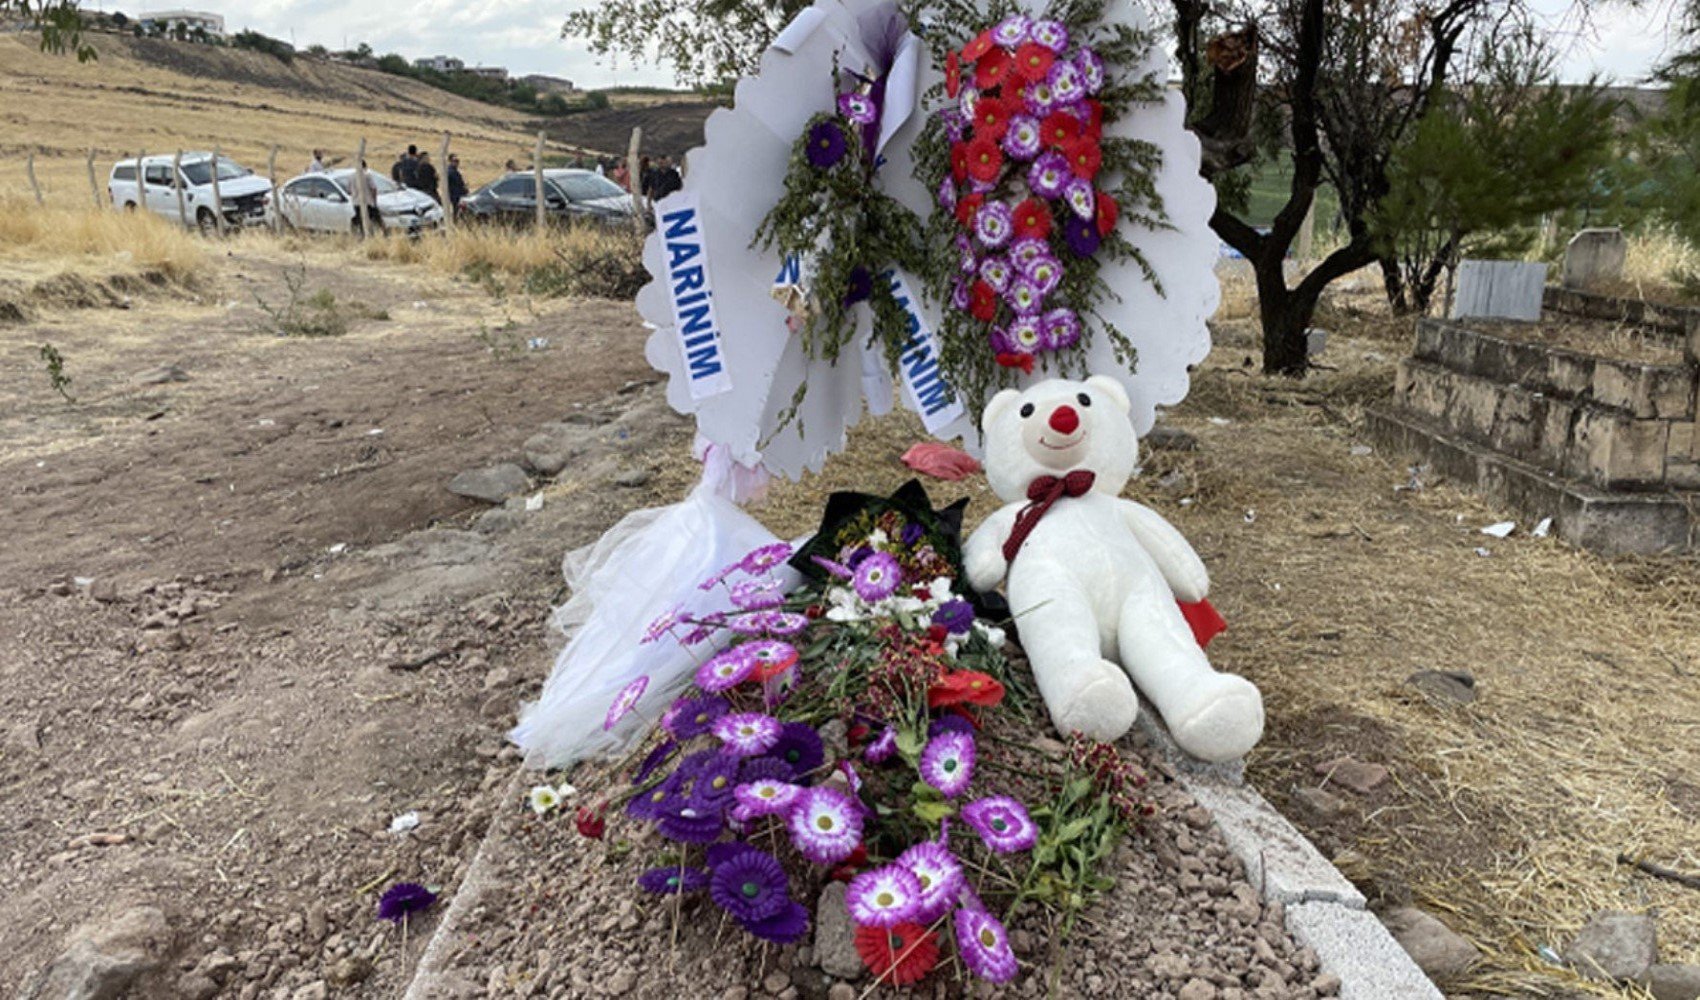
(1041, 494)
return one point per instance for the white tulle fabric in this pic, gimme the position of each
(652, 560)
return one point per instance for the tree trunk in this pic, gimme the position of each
(1393, 280)
(1285, 313)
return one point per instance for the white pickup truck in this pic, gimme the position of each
(241, 193)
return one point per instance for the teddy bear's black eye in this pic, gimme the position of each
(1085, 400)
(1027, 410)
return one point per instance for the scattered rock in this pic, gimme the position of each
(1326, 985)
(498, 678)
(497, 707)
(554, 446)
(1197, 989)
(1318, 803)
(620, 983)
(634, 478)
(841, 991)
(317, 926)
(312, 991)
(835, 937)
(350, 971)
(1436, 948)
(1354, 774)
(104, 958)
(497, 520)
(24, 736)
(162, 375)
(103, 590)
(1165, 438)
(834, 737)
(195, 986)
(1673, 982)
(1445, 685)
(491, 484)
(1615, 945)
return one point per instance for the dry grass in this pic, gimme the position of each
(1657, 260)
(580, 260)
(81, 236)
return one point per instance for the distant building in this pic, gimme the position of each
(442, 64)
(545, 84)
(168, 22)
(487, 72)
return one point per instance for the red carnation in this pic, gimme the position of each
(992, 70)
(1033, 62)
(978, 47)
(1021, 361)
(590, 821)
(991, 118)
(898, 955)
(959, 162)
(1107, 212)
(1083, 158)
(847, 869)
(964, 687)
(1059, 129)
(967, 207)
(1094, 118)
(952, 74)
(1032, 219)
(985, 159)
(983, 302)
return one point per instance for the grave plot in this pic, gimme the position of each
(1586, 416)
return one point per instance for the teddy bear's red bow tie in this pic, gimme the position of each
(1041, 494)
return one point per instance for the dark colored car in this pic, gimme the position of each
(569, 196)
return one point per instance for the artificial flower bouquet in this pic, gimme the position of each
(859, 729)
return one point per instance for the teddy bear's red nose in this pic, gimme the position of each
(1064, 420)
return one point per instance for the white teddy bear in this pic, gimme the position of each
(1097, 577)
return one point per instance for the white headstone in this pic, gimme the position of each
(1594, 257)
(1499, 289)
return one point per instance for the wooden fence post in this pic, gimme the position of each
(271, 176)
(94, 188)
(634, 183)
(360, 187)
(537, 166)
(177, 185)
(218, 200)
(29, 168)
(141, 181)
(443, 187)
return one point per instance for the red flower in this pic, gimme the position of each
(1059, 129)
(978, 47)
(1095, 119)
(985, 159)
(966, 208)
(991, 118)
(847, 869)
(993, 69)
(959, 161)
(1021, 361)
(983, 302)
(591, 821)
(898, 955)
(964, 687)
(952, 74)
(1033, 61)
(1083, 158)
(765, 672)
(813, 612)
(858, 732)
(1107, 212)
(1032, 219)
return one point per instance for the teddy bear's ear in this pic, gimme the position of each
(999, 403)
(1111, 388)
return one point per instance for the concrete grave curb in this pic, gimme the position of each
(1323, 910)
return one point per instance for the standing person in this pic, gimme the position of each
(511, 167)
(622, 176)
(457, 183)
(667, 179)
(425, 176)
(645, 177)
(317, 164)
(395, 168)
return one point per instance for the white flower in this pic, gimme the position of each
(940, 589)
(566, 791)
(994, 635)
(904, 605)
(543, 798)
(878, 538)
(842, 614)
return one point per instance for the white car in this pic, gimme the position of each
(324, 202)
(242, 194)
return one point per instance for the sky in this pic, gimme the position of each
(524, 35)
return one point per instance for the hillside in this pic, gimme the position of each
(159, 95)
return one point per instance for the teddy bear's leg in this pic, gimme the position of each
(1213, 716)
(1084, 691)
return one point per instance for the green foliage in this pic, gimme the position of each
(1483, 166)
(56, 376)
(303, 313)
(705, 41)
(59, 21)
(254, 41)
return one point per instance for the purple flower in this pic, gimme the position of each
(947, 195)
(939, 875)
(1022, 140)
(984, 946)
(1001, 342)
(911, 534)
(1041, 99)
(955, 123)
(1081, 236)
(715, 781)
(951, 723)
(826, 145)
(654, 759)
(1002, 822)
(957, 616)
(404, 898)
(1091, 67)
(883, 746)
(663, 624)
(752, 769)
(948, 763)
(877, 577)
(859, 108)
(826, 825)
(1023, 296)
(852, 777)
(765, 558)
(839, 570)
(799, 747)
(720, 576)
(785, 927)
(1082, 200)
(668, 881)
(767, 796)
(959, 295)
(1048, 174)
(1062, 329)
(1051, 34)
(691, 826)
(1012, 30)
(624, 702)
(883, 897)
(995, 271)
(1067, 85)
(993, 224)
(771, 654)
(724, 670)
(690, 717)
(750, 885)
(859, 286)
(1023, 252)
(1045, 273)
(768, 623)
(966, 261)
(747, 733)
(758, 594)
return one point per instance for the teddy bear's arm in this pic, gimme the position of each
(1181, 568)
(982, 554)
